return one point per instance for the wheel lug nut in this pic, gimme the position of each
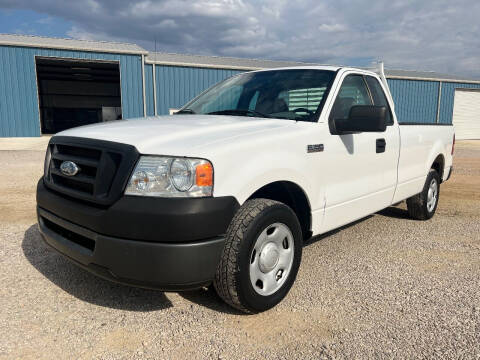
(279, 275)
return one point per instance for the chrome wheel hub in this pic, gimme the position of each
(271, 259)
(269, 256)
(432, 195)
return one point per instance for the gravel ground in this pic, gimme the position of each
(384, 287)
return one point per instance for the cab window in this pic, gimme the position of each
(379, 97)
(352, 92)
(303, 101)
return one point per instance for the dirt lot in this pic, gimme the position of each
(386, 286)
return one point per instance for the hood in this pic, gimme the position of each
(181, 135)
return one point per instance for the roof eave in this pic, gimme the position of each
(221, 66)
(397, 77)
(199, 65)
(75, 48)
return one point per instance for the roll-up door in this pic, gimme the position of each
(466, 114)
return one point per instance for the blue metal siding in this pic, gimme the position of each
(19, 114)
(415, 101)
(131, 84)
(149, 89)
(177, 85)
(448, 94)
(18, 110)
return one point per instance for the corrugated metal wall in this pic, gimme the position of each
(415, 101)
(18, 86)
(448, 94)
(177, 85)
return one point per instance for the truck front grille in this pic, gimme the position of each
(104, 168)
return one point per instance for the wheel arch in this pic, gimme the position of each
(436, 158)
(292, 195)
(439, 165)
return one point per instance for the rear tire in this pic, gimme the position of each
(423, 206)
(262, 254)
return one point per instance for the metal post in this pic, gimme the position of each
(154, 90)
(143, 86)
(439, 101)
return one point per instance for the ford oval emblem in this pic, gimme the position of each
(69, 168)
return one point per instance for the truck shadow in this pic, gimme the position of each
(85, 286)
(209, 299)
(395, 212)
(320, 237)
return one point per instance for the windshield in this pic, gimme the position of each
(285, 94)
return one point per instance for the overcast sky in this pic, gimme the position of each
(437, 35)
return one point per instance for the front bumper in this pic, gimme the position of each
(108, 243)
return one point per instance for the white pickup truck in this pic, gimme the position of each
(227, 190)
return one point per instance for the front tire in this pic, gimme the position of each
(423, 206)
(262, 254)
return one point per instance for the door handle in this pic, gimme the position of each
(381, 145)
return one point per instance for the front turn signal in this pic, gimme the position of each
(204, 175)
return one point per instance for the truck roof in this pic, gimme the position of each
(320, 67)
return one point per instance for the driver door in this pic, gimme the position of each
(361, 175)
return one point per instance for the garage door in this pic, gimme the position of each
(466, 114)
(77, 92)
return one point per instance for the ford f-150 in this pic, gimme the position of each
(226, 191)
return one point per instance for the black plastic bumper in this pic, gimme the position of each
(108, 242)
(145, 218)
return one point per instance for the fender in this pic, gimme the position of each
(270, 177)
(436, 150)
(250, 176)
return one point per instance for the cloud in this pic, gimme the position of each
(45, 20)
(79, 33)
(437, 35)
(332, 28)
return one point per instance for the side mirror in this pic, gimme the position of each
(363, 118)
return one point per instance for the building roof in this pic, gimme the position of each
(218, 62)
(70, 44)
(426, 75)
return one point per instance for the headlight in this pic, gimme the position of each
(171, 177)
(181, 174)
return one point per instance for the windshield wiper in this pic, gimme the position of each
(239, 112)
(185, 111)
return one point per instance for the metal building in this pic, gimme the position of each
(52, 84)
(49, 84)
(426, 97)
